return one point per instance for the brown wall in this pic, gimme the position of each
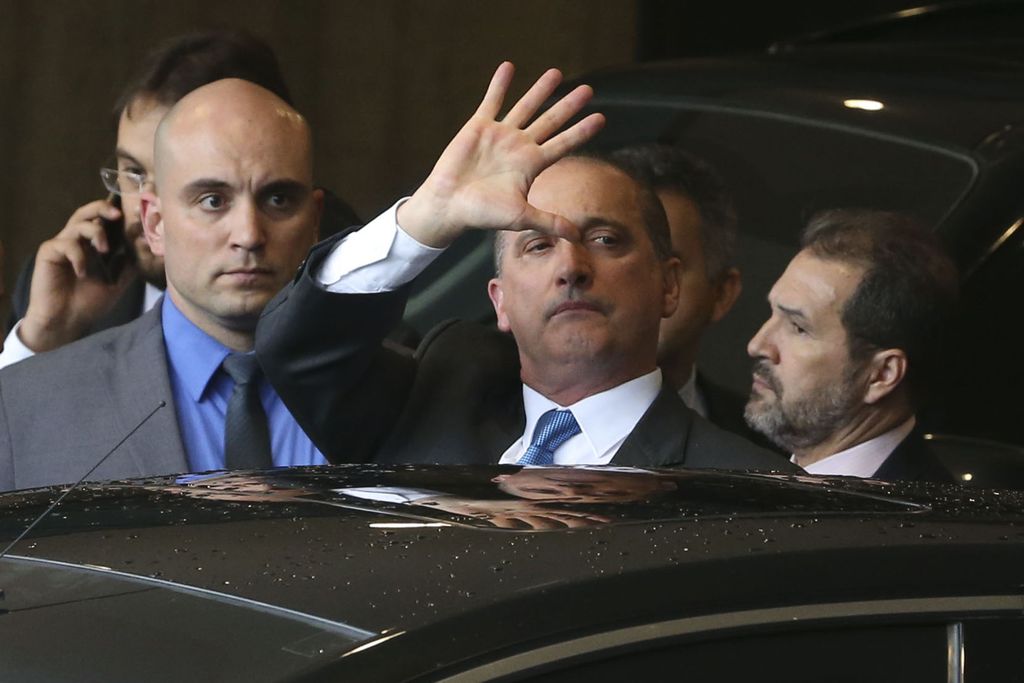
(384, 83)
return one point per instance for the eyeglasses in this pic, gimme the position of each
(123, 182)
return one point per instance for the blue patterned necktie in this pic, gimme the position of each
(554, 428)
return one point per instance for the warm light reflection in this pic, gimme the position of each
(407, 525)
(967, 476)
(373, 643)
(866, 105)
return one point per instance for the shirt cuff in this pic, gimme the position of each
(14, 349)
(379, 258)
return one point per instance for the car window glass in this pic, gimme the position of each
(992, 650)
(155, 630)
(781, 171)
(986, 369)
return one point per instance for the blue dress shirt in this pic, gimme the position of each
(201, 392)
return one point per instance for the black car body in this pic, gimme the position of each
(930, 128)
(469, 574)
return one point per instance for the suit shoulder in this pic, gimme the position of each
(86, 354)
(462, 341)
(731, 451)
(914, 460)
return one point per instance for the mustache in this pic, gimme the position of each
(763, 371)
(573, 300)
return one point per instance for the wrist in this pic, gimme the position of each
(422, 218)
(39, 337)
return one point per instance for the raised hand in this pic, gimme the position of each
(65, 300)
(482, 178)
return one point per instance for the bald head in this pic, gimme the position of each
(231, 113)
(235, 210)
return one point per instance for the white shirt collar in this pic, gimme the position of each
(605, 420)
(864, 459)
(150, 296)
(692, 396)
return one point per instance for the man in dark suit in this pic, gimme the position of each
(852, 346)
(584, 277)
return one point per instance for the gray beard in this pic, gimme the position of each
(804, 423)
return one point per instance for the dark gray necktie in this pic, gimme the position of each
(246, 434)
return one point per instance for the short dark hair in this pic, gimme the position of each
(910, 289)
(190, 61)
(651, 210)
(671, 169)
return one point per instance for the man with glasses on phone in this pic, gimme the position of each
(98, 272)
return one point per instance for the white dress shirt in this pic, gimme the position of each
(15, 350)
(605, 420)
(389, 494)
(864, 459)
(380, 257)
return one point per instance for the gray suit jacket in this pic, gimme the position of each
(457, 400)
(62, 411)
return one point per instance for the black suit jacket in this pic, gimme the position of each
(457, 399)
(912, 460)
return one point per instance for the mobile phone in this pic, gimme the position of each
(108, 266)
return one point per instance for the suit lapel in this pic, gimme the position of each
(659, 438)
(139, 381)
(911, 460)
(503, 426)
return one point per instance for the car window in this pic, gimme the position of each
(986, 369)
(993, 652)
(57, 616)
(781, 171)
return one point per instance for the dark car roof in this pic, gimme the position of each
(931, 95)
(301, 541)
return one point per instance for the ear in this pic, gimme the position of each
(152, 222)
(318, 208)
(727, 291)
(887, 368)
(672, 271)
(497, 300)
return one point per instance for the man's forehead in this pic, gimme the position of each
(136, 129)
(234, 157)
(816, 286)
(582, 175)
(588, 191)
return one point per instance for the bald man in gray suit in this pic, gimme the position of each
(235, 215)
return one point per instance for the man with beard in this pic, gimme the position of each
(234, 214)
(851, 346)
(63, 296)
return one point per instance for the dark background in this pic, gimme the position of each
(384, 84)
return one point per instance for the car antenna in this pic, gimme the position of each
(74, 486)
